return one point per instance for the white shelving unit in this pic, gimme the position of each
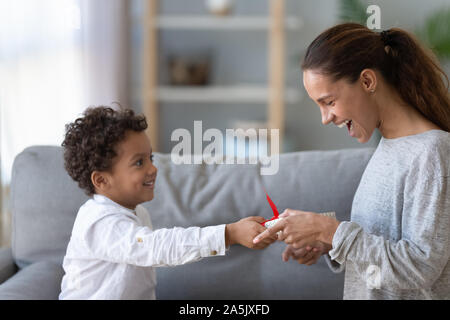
(221, 94)
(222, 23)
(273, 93)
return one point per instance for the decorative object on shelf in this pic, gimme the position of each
(189, 70)
(219, 7)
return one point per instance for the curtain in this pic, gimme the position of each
(57, 57)
(105, 51)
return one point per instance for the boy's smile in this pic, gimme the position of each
(131, 179)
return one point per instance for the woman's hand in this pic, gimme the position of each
(301, 228)
(308, 255)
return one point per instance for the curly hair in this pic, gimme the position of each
(90, 141)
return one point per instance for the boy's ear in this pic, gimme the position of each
(100, 180)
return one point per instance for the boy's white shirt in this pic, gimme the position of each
(112, 251)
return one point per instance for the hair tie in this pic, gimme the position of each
(385, 37)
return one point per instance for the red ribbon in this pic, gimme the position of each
(274, 209)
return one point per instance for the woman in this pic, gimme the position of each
(397, 244)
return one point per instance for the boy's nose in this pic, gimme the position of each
(152, 169)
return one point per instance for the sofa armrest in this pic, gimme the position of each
(7, 266)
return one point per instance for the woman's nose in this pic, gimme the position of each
(327, 116)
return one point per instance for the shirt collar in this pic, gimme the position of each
(104, 199)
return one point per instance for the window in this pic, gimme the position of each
(40, 78)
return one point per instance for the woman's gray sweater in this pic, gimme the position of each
(397, 244)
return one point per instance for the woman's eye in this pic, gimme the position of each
(151, 158)
(139, 163)
(330, 103)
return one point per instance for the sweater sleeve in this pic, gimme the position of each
(333, 265)
(417, 259)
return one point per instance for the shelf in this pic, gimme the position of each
(223, 94)
(275, 23)
(222, 23)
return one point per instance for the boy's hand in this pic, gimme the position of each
(308, 255)
(243, 231)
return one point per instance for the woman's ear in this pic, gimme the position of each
(368, 80)
(100, 180)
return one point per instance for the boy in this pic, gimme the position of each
(113, 248)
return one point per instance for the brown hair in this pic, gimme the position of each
(90, 141)
(343, 51)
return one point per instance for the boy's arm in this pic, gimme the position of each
(243, 231)
(118, 238)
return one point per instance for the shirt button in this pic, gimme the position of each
(213, 253)
(139, 239)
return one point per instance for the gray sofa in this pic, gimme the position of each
(44, 203)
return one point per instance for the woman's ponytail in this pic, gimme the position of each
(418, 78)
